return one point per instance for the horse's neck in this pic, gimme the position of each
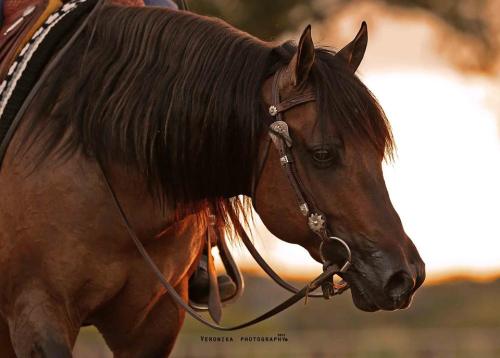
(182, 146)
(146, 214)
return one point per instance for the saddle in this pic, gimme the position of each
(21, 18)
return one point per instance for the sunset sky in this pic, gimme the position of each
(445, 181)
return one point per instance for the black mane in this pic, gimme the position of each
(177, 96)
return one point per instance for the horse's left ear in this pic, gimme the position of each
(354, 51)
(303, 60)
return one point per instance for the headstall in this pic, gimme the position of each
(280, 137)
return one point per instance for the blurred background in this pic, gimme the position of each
(434, 65)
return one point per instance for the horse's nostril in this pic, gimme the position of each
(399, 284)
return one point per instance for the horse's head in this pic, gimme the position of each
(338, 142)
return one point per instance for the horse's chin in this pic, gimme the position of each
(360, 299)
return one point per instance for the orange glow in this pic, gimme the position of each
(445, 179)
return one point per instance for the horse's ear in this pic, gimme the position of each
(354, 51)
(302, 61)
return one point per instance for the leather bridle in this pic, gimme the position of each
(279, 135)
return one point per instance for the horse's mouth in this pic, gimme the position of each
(365, 301)
(360, 298)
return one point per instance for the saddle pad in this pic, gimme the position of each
(24, 72)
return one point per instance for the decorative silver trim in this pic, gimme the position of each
(281, 128)
(304, 209)
(284, 160)
(316, 223)
(273, 110)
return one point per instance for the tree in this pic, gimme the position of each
(475, 22)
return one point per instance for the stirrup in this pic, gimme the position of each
(199, 287)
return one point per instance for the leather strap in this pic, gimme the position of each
(214, 301)
(260, 260)
(231, 267)
(283, 141)
(295, 101)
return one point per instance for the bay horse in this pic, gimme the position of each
(174, 106)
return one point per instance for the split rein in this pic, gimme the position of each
(316, 220)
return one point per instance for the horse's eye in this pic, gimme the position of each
(323, 157)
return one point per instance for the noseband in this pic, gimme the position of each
(280, 137)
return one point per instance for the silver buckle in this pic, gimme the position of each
(284, 160)
(304, 209)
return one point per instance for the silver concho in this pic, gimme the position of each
(316, 222)
(273, 110)
(304, 209)
(281, 128)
